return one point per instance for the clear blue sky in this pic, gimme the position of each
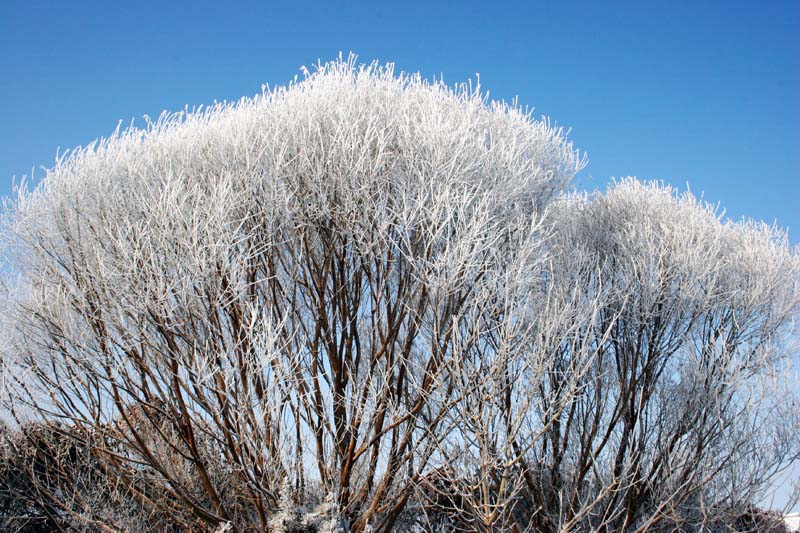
(701, 92)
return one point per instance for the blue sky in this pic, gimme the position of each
(699, 92)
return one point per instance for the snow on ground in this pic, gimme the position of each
(792, 522)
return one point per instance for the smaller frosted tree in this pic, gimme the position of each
(662, 402)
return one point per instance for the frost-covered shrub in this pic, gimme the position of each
(350, 285)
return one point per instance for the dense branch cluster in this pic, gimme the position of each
(365, 301)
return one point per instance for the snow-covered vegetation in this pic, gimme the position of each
(366, 301)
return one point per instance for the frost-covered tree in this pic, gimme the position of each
(685, 414)
(660, 337)
(365, 300)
